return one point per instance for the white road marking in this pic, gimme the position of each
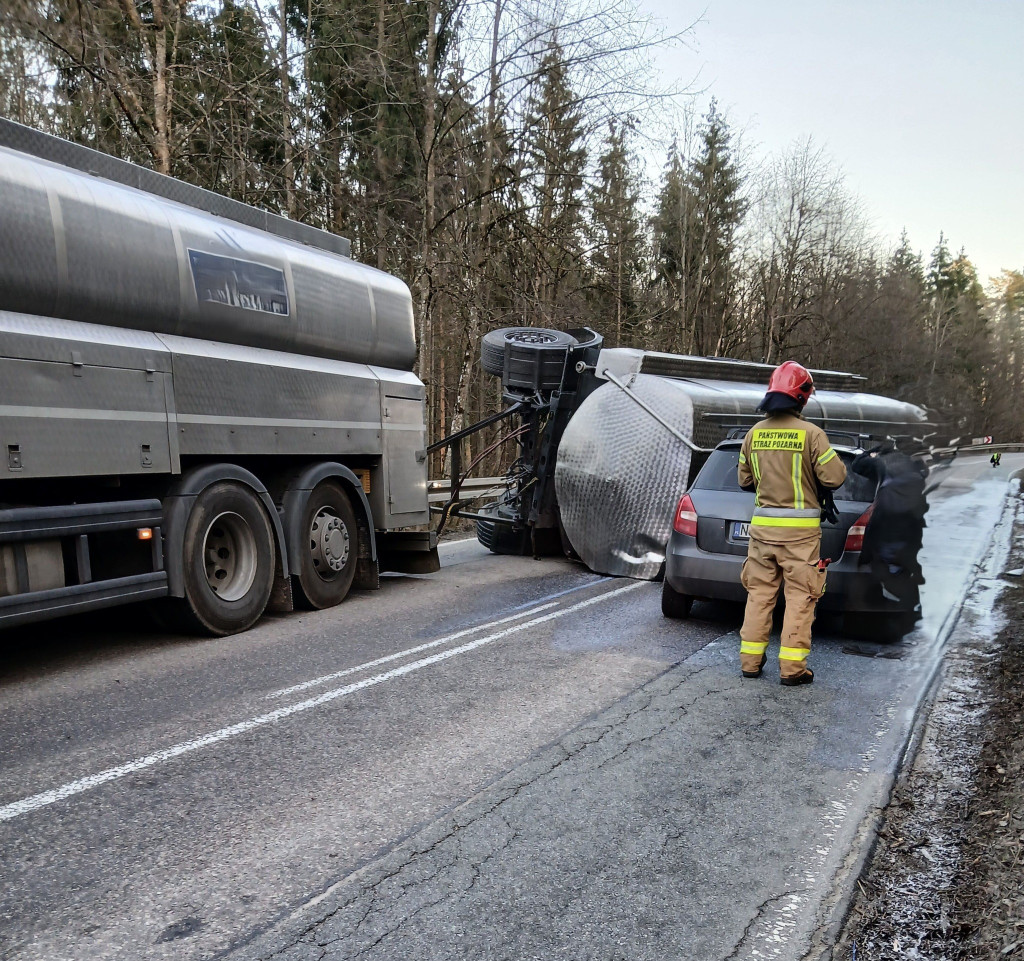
(37, 801)
(324, 679)
(568, 590)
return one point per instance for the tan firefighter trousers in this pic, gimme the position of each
(767, 566)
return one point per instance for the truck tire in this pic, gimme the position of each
(673, 604)
(500, 537)
(535, 356)
(228, 560)
(497, 531)
(330, 551)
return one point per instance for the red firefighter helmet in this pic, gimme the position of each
(793, 380)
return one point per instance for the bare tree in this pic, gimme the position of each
(808, 234)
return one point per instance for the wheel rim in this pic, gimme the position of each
(329, 543)
(229, 552)
(531, 337)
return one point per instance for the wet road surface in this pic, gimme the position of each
(509, 759)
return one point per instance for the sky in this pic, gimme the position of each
(920, 103)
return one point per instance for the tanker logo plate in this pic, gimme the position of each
(238, 283)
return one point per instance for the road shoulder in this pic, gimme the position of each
(945, 877)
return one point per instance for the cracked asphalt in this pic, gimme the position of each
(575, 777)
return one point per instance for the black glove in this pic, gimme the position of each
(828, 506)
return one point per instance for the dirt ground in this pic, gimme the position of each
(947, 877)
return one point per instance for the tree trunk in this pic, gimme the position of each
(161, 92)
(286, 114)
(618, 269)
(477, 305)
(429, 182)
(332, 146)
(307, 95)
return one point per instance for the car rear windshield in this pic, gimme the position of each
(719, 474)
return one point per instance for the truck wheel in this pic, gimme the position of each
(228, 560)
(674, 604)
(496, 530)
(536, 356)
(331, 549)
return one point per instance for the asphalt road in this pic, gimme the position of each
(509, 759)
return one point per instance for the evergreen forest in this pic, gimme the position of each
(518, 162)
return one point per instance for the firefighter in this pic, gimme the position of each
(996, 458)
(784, 459)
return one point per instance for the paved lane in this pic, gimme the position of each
(509, 759)
(128, 832)
(703, 816)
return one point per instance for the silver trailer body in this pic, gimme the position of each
(724, 394)
(144, 339)
(621, 471)
(84, 400)
(82, 248)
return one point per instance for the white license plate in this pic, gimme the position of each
(741, 530)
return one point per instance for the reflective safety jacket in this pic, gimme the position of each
(784, 457)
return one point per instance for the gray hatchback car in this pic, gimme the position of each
(711, 531)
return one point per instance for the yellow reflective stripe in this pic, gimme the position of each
(753, 647)
(827, 456)
(756, 468)
(758, 521)
(798, 487)
(793, 654)
(743, 459)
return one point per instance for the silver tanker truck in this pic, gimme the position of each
(198, 400)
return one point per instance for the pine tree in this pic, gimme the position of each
(671, 227)
(617, 252)
(228, 119)
(700, 210)
(23, 94)
(363, 63)
(905, 263)
(555, 158)
(1007, 306)
(938, 269)
(716, 184)
(889, 310)
(960, 338)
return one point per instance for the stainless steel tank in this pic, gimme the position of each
(88, 248)
(620, 472)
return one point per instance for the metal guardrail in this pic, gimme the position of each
(942, 454)
(978, 448)
(438, 491)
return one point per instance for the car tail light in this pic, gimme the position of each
(686, 517)
(855, 535)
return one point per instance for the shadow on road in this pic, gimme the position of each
(73, 642)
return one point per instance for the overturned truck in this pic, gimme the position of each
(608, 439)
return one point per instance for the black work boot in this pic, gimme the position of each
(806, 678)
(757, 673)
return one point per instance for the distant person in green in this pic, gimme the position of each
(996, 457)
